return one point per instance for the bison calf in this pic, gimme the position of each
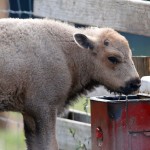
(45, 64)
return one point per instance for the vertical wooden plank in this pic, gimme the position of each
(3, 6)
(142, 65)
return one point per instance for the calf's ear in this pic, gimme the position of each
(84, 41)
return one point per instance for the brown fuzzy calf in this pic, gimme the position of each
(45, 64)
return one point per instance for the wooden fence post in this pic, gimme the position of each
(3, 6)
(142, 65)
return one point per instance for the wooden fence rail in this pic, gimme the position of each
(132, 16)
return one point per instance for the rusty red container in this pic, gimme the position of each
(120, 124)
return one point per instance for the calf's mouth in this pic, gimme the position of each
(131, 86)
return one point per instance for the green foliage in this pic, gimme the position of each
(12, 140)
(83, 104)
(80, 145)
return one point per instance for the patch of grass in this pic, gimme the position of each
(83, 104)
(12, 140)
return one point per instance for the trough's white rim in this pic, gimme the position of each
(101, 99)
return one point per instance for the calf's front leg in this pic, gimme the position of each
(43, 137)
(29, 130)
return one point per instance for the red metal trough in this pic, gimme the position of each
(120, 124)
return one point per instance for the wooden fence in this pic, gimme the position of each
(132, 16)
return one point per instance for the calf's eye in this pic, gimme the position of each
(113, 60)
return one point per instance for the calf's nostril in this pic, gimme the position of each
(135, 84)
(131, 86)
(138, 81)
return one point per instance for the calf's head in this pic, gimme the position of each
(112, 59)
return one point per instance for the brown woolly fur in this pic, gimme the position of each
(45, 64)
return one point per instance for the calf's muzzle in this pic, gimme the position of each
(131, 86)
